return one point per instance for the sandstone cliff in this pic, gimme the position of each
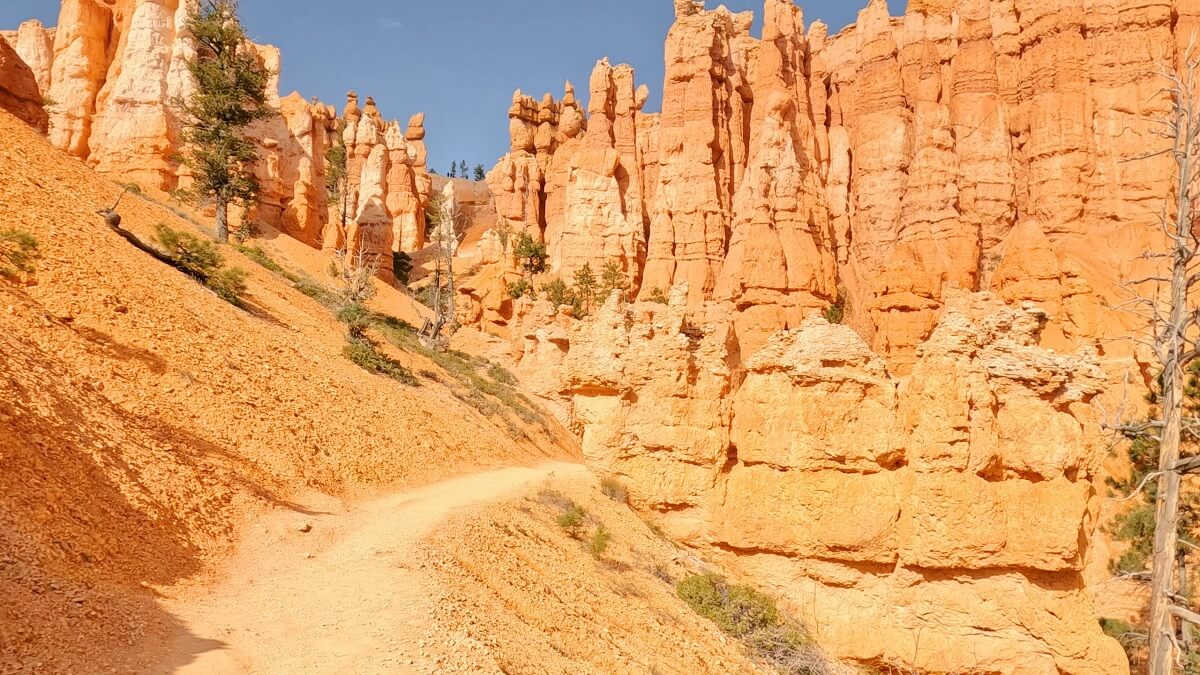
(112, 69)
(927, 474)
(881, 167)
(942, 521)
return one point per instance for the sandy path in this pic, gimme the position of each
(345, 597)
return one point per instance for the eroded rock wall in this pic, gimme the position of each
(111, 71)
(941, 521)
(886, 166)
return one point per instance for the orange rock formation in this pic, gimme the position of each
(959, 177)
(920, 512)
(19, 92)
(886, 165)
(389, 185)
(112, 68)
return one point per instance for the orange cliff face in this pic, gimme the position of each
(942, 522)
(967, 180)
(887, 165)
(110, 72)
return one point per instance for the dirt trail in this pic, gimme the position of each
(346, 597)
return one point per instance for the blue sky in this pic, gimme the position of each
(459, 60)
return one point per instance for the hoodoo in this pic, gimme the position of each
(832, 343)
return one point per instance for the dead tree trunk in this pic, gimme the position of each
(446, 215)
(1175, 344)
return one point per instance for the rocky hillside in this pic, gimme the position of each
(109, 72)
(143, 420)
(868, 323)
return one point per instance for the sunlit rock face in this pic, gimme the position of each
(388, 185)
(112, 71)
(957, 503)
(928, 467)
(888, 165)
(19, 93)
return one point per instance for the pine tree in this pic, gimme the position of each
(462, 169)
(585, 286)
(480, 173)
(230, 94)
(453, 170)
(612, 278)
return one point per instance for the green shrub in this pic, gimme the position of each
(473, 380)
(198, 257)
(558, 293)
(737, 610)
(18, 251)
(520, 289)
(658, 295)
(260, 257)
(356, 317)
(836, 313)
(753, 618)
(501, 375)
(598, 544)
(229, 283)
(1115, 628)
(571, 519)
(364, 354)
(530, 253)
(316, 291)
(615, 490)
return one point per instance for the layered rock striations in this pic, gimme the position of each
(941, 521)
(920, 483)
(111, 71)
(879, 168)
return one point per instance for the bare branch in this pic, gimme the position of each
(1186, 614)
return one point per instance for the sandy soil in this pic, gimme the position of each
(348, 596)
(144, 421)
(161, 450)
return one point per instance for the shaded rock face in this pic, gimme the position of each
(35, 45)
(902, 159)
(19, 92)
(956, 504)
(112, 68)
